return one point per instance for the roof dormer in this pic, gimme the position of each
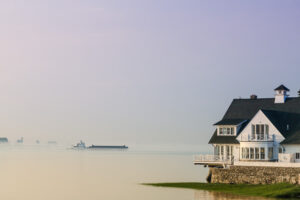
(229, 127)
(281, 94)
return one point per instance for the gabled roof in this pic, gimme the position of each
(230, 122)
(279, 114)
(282, 87)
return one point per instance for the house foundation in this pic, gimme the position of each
(255, 175)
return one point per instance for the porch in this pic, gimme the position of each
(284, 160)
(213, 160)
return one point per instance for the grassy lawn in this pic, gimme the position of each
(282, 190)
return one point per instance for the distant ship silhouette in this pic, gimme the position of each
(81, 145)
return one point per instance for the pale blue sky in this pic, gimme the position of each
(139, 72)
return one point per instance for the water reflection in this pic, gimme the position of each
(201, 195)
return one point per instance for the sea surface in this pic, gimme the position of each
(57, 173)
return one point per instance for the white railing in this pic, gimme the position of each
(265, 138)
(213, 159)
(267, 164)
(286, 157)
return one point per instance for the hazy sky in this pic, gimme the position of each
(139, 72)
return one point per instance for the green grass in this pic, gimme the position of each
(282, 190)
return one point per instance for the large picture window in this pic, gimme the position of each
(224, 151)
(257, 153)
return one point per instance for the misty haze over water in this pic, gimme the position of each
(55, 172)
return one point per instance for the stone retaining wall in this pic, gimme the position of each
(255, 175)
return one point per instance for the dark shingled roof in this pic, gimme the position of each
(279, 114)
(215, 139)
(230, 122)
(286, 123)
(282, 87)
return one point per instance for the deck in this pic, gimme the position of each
(285, 160)
(212, 160)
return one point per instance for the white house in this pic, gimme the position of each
(257, 130)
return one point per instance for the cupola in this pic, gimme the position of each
(281, 94)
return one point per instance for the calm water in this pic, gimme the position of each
(36, 173)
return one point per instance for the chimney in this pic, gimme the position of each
(253, 97)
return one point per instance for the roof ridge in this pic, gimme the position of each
(265, 98)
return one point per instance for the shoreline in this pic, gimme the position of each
(280, 190)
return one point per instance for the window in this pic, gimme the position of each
(297, 155)
(222, 150)
(227, 152)
(270, 153)
(253, 132)
(281, 149)
(226, 131)
(243, 153)
(220, 131)
(256, 153)
(262, 131)
(259, 131)
(251, 153)
(262, 153)
(217, 150)
(247, 153)
(267, 130)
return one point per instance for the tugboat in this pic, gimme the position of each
(80, 145)
(20, 141)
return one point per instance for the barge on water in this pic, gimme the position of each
(81, 145)
(108, 147)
